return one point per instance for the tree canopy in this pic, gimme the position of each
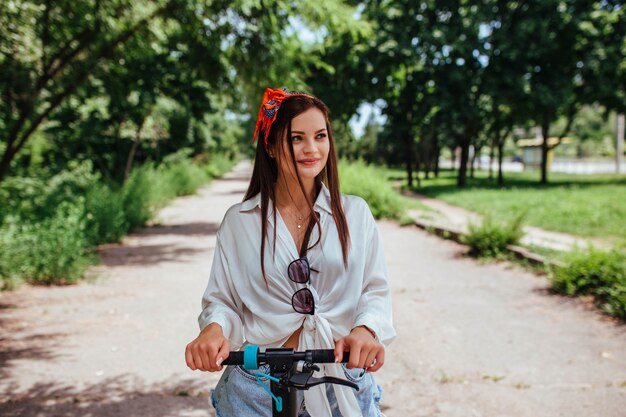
(121, 82)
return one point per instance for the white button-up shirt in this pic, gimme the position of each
(253, 312)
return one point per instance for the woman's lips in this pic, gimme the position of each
(308, 161)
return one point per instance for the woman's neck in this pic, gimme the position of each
(288, 193)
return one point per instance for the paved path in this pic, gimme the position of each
(474, 340)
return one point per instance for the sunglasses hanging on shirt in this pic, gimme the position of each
(302, 300)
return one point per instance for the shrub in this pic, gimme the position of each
(612, 299)
(370, 183)
(105, 220)
(218, 165)
(490, 239)
(47, 225)
(597, 272)
(11, 255)
(36, 198)
(52, 251)
(139, 195)
(185, 178)
(9, 277)
(66, 186)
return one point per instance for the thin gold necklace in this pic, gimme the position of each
(299, 217)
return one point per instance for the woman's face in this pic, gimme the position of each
(310, 146)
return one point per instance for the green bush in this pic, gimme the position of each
(149, 188)
(66, 186)
(49, 224)
(490, 239)
(53, 251)
(35, 198)
(612, 300)
(139, 196)
(371, 184)
(105, 220)
(218, 165)
(185, 178)
(597, 272)
(12, 256)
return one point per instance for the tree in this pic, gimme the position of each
(504, 77)
(397, 66)
(49, 50)
(432, 63)
(602, 70)
(53, 52)
(565, 46)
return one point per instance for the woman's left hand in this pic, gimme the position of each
(365, 351)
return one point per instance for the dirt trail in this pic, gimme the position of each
(474, 340)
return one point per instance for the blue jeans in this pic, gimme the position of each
(238, 394)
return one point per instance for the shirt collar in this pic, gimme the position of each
(323, 201)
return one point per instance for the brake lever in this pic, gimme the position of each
(306, 380)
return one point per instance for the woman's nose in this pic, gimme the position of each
(309, 145)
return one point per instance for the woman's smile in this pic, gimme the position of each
(308, 162)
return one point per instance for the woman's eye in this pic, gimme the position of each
(296, 138)
(321, 136)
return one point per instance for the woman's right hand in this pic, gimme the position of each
(207, 351)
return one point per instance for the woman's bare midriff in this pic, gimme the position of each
(292, 342)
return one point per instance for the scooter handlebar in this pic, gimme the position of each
(312, 355)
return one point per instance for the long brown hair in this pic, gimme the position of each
(265, 173)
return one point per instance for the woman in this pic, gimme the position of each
(294, 220)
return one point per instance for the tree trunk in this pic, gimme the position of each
(462, 175)
(409, 156)
(417, 171)
(500, 157)
(496, 143)
(131, 156)
(429, 161)
(423, 164)
(426, 155)
(5, 163)
(133, 148)
(545, 128)
(492, 150)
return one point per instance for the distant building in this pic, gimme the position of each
(531, 150)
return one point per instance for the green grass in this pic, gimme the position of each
(583, 205)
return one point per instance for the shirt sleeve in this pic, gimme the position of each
(374, 308)
(220, 302)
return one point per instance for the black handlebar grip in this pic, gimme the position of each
(328, 356)
(234, 358)
(323, 356)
